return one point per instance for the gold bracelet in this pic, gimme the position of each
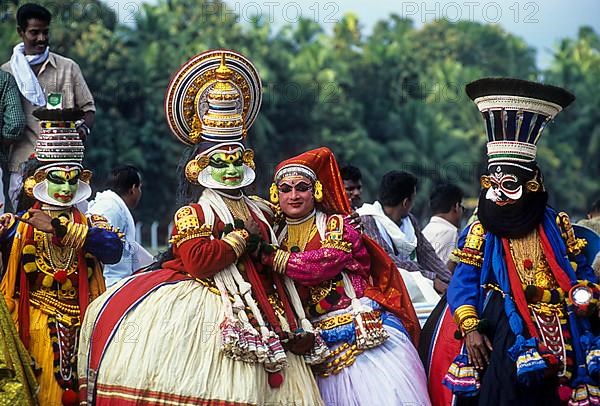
(242, 233)
(83, 236)
(68, 237)
(469, 324)
(236, 242)
(280, 261)
(464, 312)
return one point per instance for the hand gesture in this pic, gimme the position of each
(6, 221)
(355, 221)
(39, 220)
(251, 226)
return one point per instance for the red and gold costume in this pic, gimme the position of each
(206, 328)
(351, 292)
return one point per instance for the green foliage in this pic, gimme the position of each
(392, 99)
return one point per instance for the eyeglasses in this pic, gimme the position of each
(299, 187)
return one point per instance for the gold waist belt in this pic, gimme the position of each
(64, 313)
(340, 320)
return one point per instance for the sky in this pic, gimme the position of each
(541, 23)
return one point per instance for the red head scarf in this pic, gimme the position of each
(324, 168)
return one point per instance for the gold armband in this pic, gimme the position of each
(99, 221)
(334, 236)
(472, 251)
(574, 244)
(204, 231)
(340, 245)
(188, 226)
(186, 219)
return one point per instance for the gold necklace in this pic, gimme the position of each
(300, 233)
(51, 258)
(238, 208)
(530, 261)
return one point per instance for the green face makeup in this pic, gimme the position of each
(62, 185)
(227, 169)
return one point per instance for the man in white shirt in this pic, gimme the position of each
(447, 211)
(389, 222)
(123, 193)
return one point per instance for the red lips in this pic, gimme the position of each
(58, 196)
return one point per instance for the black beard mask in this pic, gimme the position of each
(519, 218)
(512, 220)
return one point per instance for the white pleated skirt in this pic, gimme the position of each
(390, 374)
(167, 351)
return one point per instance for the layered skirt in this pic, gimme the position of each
(166, 350)
(389, 374)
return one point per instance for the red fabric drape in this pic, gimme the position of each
(559, 274)
(84, 288)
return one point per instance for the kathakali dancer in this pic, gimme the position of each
(210, 326)
(54, 252)
(522, 295)
(348, 287)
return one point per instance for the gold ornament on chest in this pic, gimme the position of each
(530, 261)
(55, 262)
(238, 208)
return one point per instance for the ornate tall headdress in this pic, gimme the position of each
(59, 147)
(318, 165)
(212, 100)
(515, 113)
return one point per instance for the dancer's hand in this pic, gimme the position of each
(355, 221)
(478, 349)
(6, 222)
(39, 220)
(251, 226)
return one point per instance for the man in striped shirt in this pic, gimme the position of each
(12, 123)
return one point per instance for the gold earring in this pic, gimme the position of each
(533, 186)
(274, 194)
(28, 185)
(248, 158)
(318, 191)
(485, 182)
(192, 171)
